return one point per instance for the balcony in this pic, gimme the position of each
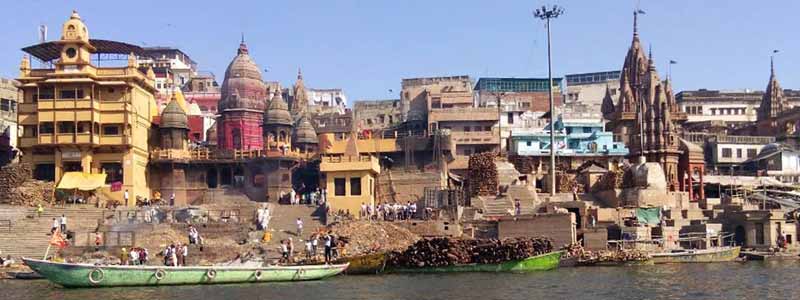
(114, 140)
(25, 142)
(474, 137)
(463, 114)
(66, 138)
(26, 108)
(85, 138)
(350, 163)
(46, 138)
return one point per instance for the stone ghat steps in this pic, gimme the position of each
(30, 235)
(284, 224)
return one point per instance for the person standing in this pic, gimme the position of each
(308, 249)
(39, 210)
(284, 251)
(134, 257)
(517, 207)
(292, 195)
(125, 197)
(184, 253)
(328, 250)
(63, 223)
(173, 255)
(299, 227)
(98, 239)
(259, 219)
(291, 248)
(55, 226)
(123, 256)
(172, 199)
(314, 242)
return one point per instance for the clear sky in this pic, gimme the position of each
(367, 46)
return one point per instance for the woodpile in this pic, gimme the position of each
(364, 237)
(482, 174)
(565, 183)
(611, 180)
(439, 252)
(18, 188)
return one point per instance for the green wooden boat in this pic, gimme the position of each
(718, 254)
(87, 275)
(367, 264)
(543, 262)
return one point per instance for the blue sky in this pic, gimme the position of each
(367, 46)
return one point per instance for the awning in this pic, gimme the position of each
(81, 181)
(651, 215)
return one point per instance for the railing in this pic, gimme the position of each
(172, 215)
(206, 154)
(346, 159)
(108, 239)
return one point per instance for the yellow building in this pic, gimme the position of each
(78, 116)
(349, 179)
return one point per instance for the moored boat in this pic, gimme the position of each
(373, 263)
(543, 262)
(87, 275)
(716, 254)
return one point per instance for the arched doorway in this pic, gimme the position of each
(211, 178)
(740, 236)
(226, 176)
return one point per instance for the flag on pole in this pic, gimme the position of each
(639, 11)
(58, 239)
(775, 51)
(672, 62)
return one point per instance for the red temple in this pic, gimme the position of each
(242, 104)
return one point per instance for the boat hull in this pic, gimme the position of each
(722, 254)
(365, 264)
(542, 262)
(85, 275)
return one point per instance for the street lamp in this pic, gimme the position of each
(546, 14)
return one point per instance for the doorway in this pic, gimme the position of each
(739, 236)
(211, 178)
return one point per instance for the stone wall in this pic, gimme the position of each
(558, 227)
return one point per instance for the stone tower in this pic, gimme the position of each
(242, 104)
(772, 103)
(300, 102)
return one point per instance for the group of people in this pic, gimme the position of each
(59, 223)
(194, 236)
(137, 256)
(175, 255)
(309, 197)
(328, 240)
(389, 211)
(262, 218)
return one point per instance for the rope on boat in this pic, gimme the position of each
(92, 277)
(257, 274)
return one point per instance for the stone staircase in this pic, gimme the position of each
(29, 235)
(494, 207)
(283, 224)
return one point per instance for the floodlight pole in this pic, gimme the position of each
(546, 14)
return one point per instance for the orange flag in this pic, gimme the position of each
(58, 239)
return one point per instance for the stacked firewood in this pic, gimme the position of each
(18, 188)
(566, 183)
(482, 174)
(608, 181)
(440, 252)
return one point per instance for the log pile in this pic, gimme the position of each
(482, 174)
(565, 183)
(440, 252)
(610, 180)
(18, 188)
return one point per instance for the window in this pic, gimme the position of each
(71, 52)
(738, 153)
(46, 128)
(113, 171)
(29, 131)
(5, 104)
(751, 153)
(726, 152)
(511, 118)
(528, 143)
(66, 127)
(46, 172)
(71, 94)
(338, 186)
(47, 93)
(355, 186)
(110, 129)
(467, 129)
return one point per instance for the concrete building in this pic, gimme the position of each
(81, 117)
(372, 115)
(778, 161)
(173, 67)
(587, 91)
(349, 179)
(525, 94)
(9, 94)
(326, 100)
(419, 95)
(731, 151)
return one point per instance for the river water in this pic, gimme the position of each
(752, 280)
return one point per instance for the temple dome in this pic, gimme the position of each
(304, 132)
(242, 87)
(278, 112)
(173, 116)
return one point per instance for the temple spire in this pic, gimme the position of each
(635, 24)
(299, 74)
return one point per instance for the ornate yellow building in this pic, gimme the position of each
(78, 116)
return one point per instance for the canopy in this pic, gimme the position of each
(81, 181)
(650, 215)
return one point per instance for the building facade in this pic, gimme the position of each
(9, 96)
(80, 117)
(242, 104)
(374, 115)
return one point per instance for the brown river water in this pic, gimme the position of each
(752, 280)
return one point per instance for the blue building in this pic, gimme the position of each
(573, 138)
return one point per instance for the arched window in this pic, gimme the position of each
(283, 136)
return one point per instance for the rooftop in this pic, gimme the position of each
(49, 51)
(594, 77)
(516, 85)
